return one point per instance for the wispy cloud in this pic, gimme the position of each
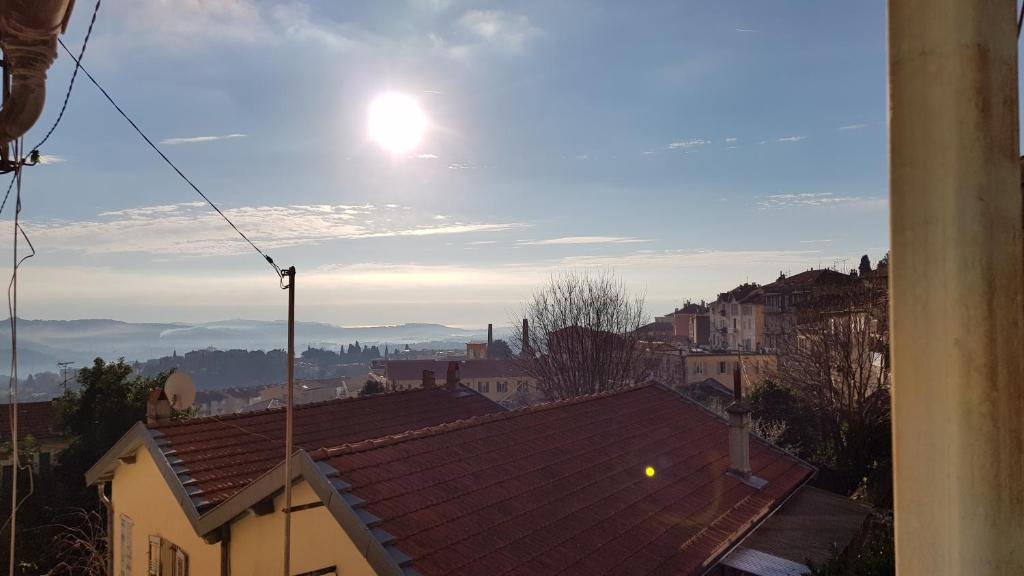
(818, 199)
(584, 240)
(198, 139)
(582, 156)
(425, 156)
(791, 138)
(853, 126)
(191, 229)
(731, 140)
(745, 30)
(825, 241)
(499, 28)
(459, 166)
(693, 143)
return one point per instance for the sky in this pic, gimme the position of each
(686, 146)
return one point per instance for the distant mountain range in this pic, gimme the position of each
(43, 343)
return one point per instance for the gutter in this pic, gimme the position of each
(101, 489)
(753, 528)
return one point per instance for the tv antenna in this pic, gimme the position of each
(180, 391)
(64, 372)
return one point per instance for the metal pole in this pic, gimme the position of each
(957, 316)
(288, 424)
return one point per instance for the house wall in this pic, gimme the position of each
(140, 492)
(318, 541)
(756, 367)
(488, 386)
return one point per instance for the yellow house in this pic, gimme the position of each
(671, 488)
(172, 489)
(500, 380)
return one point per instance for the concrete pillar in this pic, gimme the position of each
(956, 287)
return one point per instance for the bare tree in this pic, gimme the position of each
(80, 544)
(582, 335)
(838, 366)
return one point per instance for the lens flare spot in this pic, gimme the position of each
(649, 471)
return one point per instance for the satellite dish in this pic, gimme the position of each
(180, 390)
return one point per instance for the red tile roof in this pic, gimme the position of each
(36, 419)
(222, 454)
(561, 488)
(810, 278)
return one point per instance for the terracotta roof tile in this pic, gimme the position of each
(36, 419)
(561, 488)
(222, 454)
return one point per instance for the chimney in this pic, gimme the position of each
(739, 428)
(158, 408)
(452, 379)
(490, 340)
(526, 338)
(428, 379)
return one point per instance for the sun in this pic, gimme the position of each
(396, 122)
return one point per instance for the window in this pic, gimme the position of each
(502, 386)
(154, 556)
(723, 367)
(126, 545)
(484, 387)
(521, 386)
(698, 367)
(166, 559)
(733, 323)
(746, 344)
(747, 309)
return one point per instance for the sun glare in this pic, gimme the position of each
(396, 122)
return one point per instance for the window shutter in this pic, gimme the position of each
(126, 545)
(154, 556)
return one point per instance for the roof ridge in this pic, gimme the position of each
(332, 451)
(243, 415)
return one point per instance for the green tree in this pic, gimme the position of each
(865, 265)
(499, 349)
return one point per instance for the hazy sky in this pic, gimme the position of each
(688, 145)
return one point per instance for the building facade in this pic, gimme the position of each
(737, 319)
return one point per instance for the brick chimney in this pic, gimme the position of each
(452, 378)
(490, 340)
(428, 379)
(739, 428)
(158, 408)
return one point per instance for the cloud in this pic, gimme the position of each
(853, 127)
(458, 166)
(819, 199)
(731, 140)
(826, 241)
(198, 139)
(425, 156)
(582, 156)
(745, 30)
(192, 229)
(694, 143)
(192, 25)
(499, 28)
(583, 240)
(790, 138)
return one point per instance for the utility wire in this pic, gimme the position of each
(269, 260)
(71, 85)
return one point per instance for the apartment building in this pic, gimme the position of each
(737, 319)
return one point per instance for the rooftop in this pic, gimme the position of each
(561, 488)
(36, 419)
(222, 454)
(489, 368)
